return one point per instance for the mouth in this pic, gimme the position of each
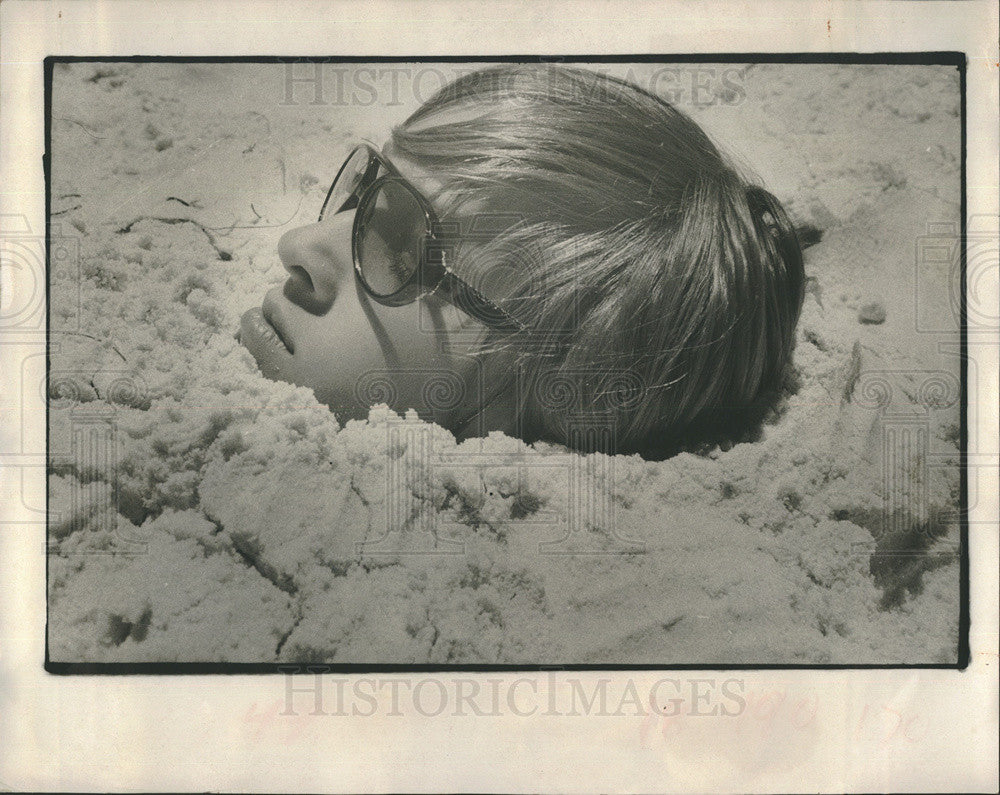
(264, 333)
(272, 315)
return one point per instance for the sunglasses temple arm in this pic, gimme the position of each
(472, 302)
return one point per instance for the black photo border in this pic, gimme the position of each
(931, 58)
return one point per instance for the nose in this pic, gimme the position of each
(318, 259)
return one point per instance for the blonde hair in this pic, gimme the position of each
(659, 289)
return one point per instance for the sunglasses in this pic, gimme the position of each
(400, 250)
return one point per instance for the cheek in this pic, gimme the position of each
(410, 345)
(429, 374)
(333, 354)
(355, 359)
(336, 372)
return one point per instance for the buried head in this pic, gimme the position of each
(626, 271)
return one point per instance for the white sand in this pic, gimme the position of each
(241, 503)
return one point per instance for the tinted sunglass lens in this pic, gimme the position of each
(344, 193)
(391, 235)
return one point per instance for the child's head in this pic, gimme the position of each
(654, 292)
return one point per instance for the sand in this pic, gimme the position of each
(205, 514)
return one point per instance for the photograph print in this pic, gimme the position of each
(451, 363)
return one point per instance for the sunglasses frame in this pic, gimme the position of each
(433, 273)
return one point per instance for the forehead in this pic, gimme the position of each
(432, 184)
(428, 183)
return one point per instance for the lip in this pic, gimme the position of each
(271, 310)
(266, 346)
